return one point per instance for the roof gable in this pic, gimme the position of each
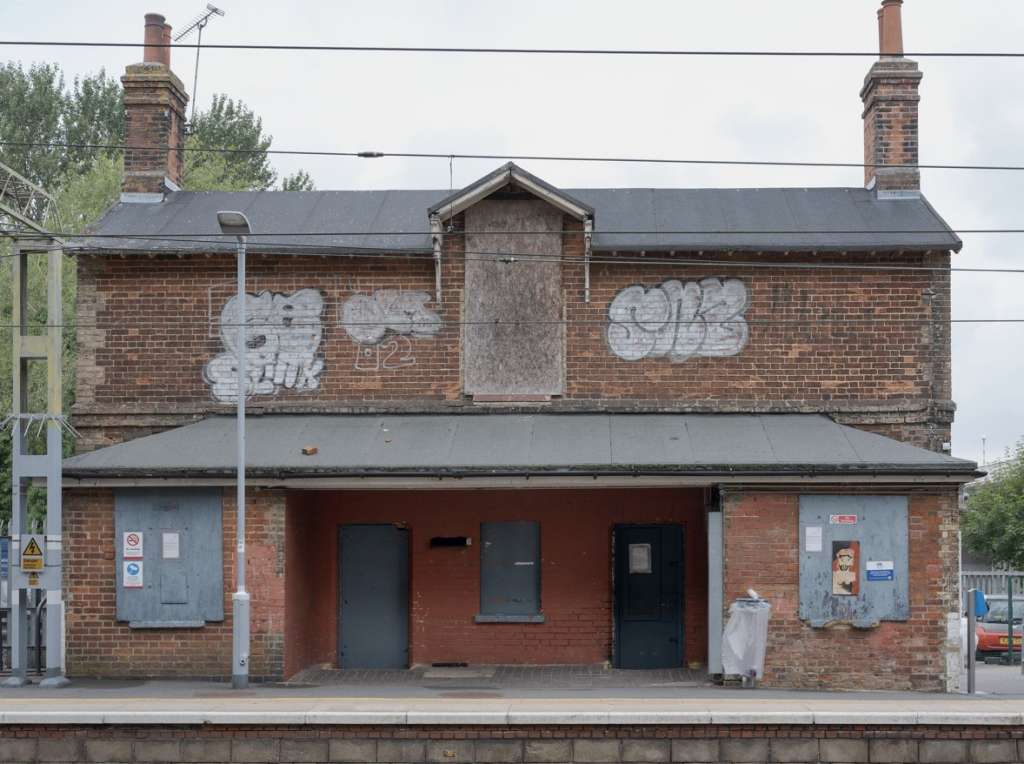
(498, 179)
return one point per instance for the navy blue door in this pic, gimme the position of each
(648, 596)
(374, 587)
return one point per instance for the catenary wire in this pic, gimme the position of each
(495, 232)
(810, 323)
(517, 51)
(511, 157)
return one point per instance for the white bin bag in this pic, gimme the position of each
(745, 637)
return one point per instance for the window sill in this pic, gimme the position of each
(166, 624)
(494, 618)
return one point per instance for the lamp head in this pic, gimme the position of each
(233, 223)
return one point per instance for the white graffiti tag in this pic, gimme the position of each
(367, 319)
(282, 339)
(679, 320)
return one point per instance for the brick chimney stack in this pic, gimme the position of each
(890, 111)
(154, 119)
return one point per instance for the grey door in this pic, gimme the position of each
(648, 596)
(374, 588)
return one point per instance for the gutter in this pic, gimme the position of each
(870, 473)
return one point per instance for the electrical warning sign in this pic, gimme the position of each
(31, 554)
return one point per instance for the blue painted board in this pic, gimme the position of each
(876, 526)
(189, 589)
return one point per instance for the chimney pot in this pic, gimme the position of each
(158, 35)
(890, 28)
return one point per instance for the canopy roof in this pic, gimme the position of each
(518, 444)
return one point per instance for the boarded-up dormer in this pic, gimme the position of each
(513, 334)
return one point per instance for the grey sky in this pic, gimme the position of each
(972, 111)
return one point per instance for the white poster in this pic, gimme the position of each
(812, 540)
(132, 574)
(171, 546)
(132, 545)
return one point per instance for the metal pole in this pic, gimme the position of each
(240, 599)
(972, 637)
(195, 77)
(1009, 621)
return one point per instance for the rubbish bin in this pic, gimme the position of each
(745, 638)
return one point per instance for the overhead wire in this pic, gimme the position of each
(823, 321)
(448, 155)
(517, 50)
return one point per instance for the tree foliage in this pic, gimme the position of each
(993, 525)
(228, 124)
(38, 108)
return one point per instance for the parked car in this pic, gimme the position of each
(991, 631)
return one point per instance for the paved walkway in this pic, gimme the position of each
(489, 696)
(505, 678)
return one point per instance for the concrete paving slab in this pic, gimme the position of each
(164, 702)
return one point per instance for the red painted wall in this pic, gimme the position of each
(576, 583)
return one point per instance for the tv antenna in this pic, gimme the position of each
(197, 25)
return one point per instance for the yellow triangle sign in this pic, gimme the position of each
(32, 550)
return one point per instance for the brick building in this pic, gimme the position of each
(520, 423)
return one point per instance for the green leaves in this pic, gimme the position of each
(38, 108)
(230, 124)
(994, 523)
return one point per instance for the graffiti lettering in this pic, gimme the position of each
(283, 335)
(367, 319)
(679, 321)
(395, 353)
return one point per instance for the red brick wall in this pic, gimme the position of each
(762, 552)
(148, 326)
(576, 586)
(99, 645)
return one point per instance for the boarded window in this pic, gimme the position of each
(509, 571)
(853, 560)
(512, 342)
(169, 561)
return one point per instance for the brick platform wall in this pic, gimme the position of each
(550, 744)
(576, 583)
(762, 552)
(99, 645)
(148, 326)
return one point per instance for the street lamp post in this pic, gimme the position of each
(237, 224)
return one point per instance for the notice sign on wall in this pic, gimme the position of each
(132, 574)
(879, 570)
(170, 545)
(812, 538)
(842, 519)
(132, 545)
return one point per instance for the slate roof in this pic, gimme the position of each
(518, 444)
(653, 219)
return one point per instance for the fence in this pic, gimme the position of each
(991, 582)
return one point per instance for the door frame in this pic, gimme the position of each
(616, 623)
(340, 592)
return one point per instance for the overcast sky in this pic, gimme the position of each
(972, 111)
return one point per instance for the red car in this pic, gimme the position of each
(991, 631)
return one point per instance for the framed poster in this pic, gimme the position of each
(846, 567)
